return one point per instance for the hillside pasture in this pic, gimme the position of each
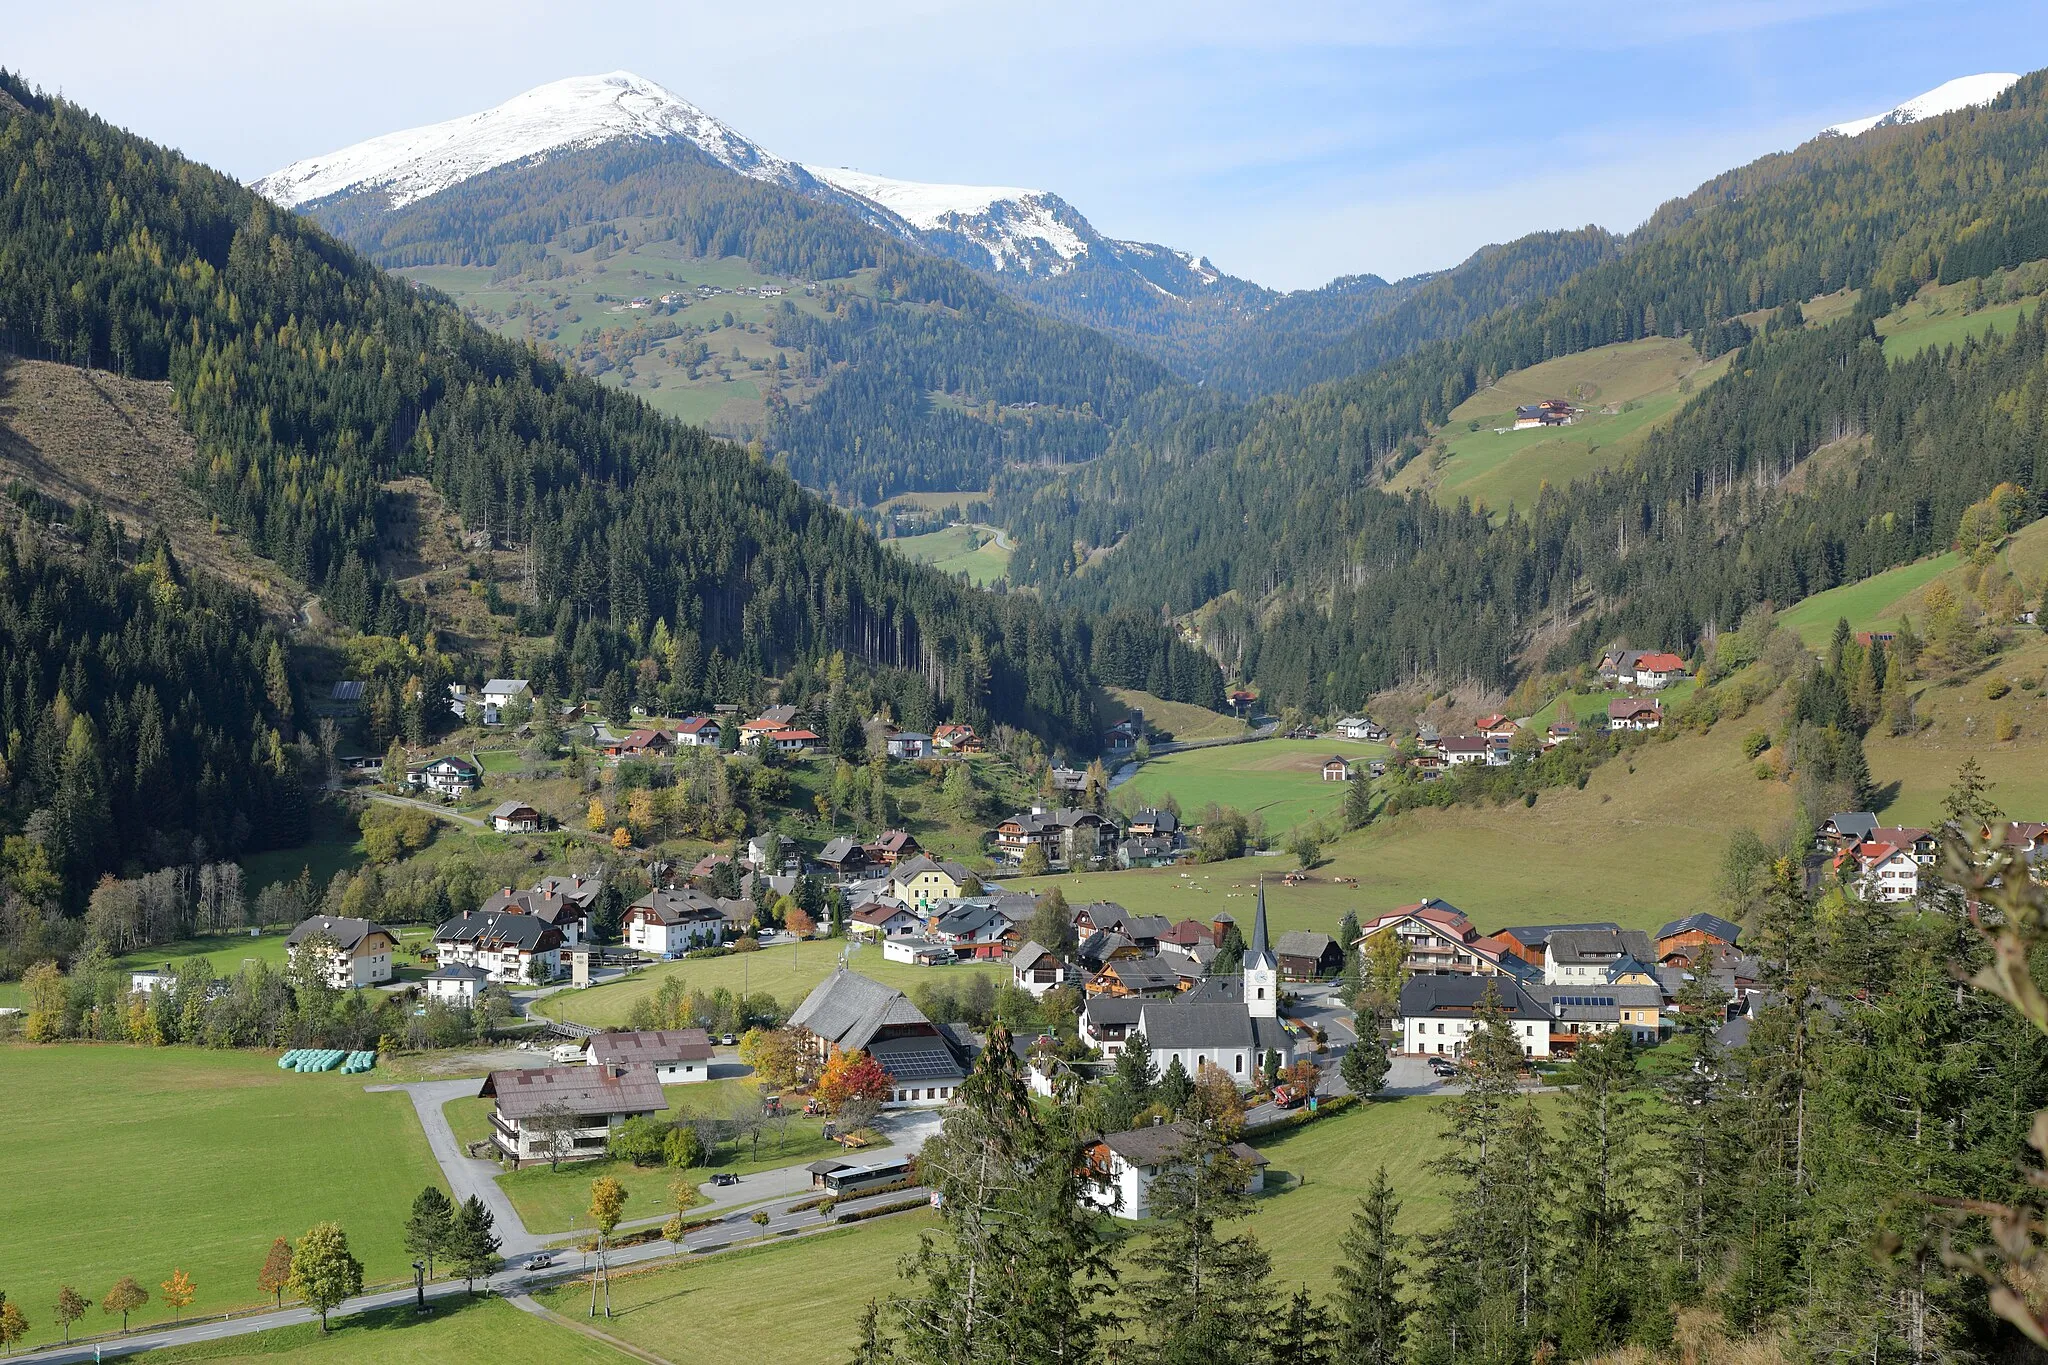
(132, 1161)
(1881, 600)
(971, 550)
(1913, 772)
(1176, 720)
(1278, 779)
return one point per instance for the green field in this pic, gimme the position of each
(1637, 848)
(145, 1159)
(1923, 765)
(451, 1330)
(1870, 605)
(787, 972)
(559, 1200)
(1280, 779)
(971, 550)
(1176, 719)
(1586, 704)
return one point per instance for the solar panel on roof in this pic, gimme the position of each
(925, 1064)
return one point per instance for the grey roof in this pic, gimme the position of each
(840, 849)
(1112, 1011)
(1859, 823)
(656, 1047)
(1461, 995)
(1596, 1004)
(523, 1092)
(1303, 943)
(576, 888)
(849, 1009)
(918, 1061)
(1536, 935)
(507, 809)
(670, 906)
(1027, 956)
(1211, 1026)
(459, 971)
(1627, 965)
(1158, 1143)
(971, 917)
(504, 687)
(911, 867)
(528, 933)
(1599, 945)
(1258, 954)
(1725, 930)
(1212, 989)
(1162, 820)
(344, 933)
(1145, 973)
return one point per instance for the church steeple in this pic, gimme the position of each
(1261, 970)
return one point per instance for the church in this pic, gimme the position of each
(1231, 1022)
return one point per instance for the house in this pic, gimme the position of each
(1564, 732)
(1658, 670)
(958, 739)
(844, 857)
(1152, 823)
(678, 1055)
(794, 741)
(488, 706)
(1436, 938)
(1036, 969)
(556, 907)
(909, 744)
(1683, 941)
(150, 980)
(1233, 1034)
(669, 922)
(1528, 941)
(1459, 750)
(767, 723)
(1362, 727)
(1336, 769)
(1844, 830)
(576, 889)
(978, 927)
(515, 949)
(893, 847)
(1123, 736)
(884, 920)
(1551, 412)
(1136, 975)
(921, 880)
(1123, 1166)
(355, 952)
(1158, 851)
(597, 1100)
(1573, 957)
(698, 732)
(1068, 836)
(1580, 1011)
(457, 985)
(449, 777)
(639, 744)
(1630, 713)
(918, 951)
(1925, 845)
(1307, 956)
(516, 817)
(1242, 703)
(1437, 1014)
(1883, 872)
(851, 1012)
(1107, 1021)
(1497, 728)
(1071, 781)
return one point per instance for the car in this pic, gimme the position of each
(729, 1040)
(725, 1178)
(1442, 1066)
(540, 1262)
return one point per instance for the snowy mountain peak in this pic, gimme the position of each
(582, 111)
(1035, 231)
(1964, 92)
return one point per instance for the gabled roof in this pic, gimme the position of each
(878, 913)
(841, 849)
(697, 725)
(1113, 1011)
(1627, 708)
(1659, 663)
(1598, 945)
(656, 1047)
(1028, 956)
(1854, 824)
(1701, 922)
(507, 810)
(459, 971)
(1157, 1144)
(1534, 936)
(576, 888)
(1143, 973)
(523, 1092)
(1427, 994)
(527, 933)
(848, 1010)
(1303, 943)
(676, 906)
(1465, 744)
(913, 867)
(1209, 1026)
(345, 934)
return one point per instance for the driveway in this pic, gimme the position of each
(466, 1175)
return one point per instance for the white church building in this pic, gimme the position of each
(1230, 1022)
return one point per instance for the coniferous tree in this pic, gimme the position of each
(1371, 1305)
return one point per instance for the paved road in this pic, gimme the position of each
(467, 1175)
(433, 808)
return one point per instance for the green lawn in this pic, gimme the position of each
(559, 1200)
(1280, 779)
(229, 951)
(451, 1330)
(1177, 720)
(1869, 605)
(797, 1301)
(1910, 336)
(786, 972)
(957, 549)
(132, 1161)
(333, 846)
(1585, 704)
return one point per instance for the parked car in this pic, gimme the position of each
(541, 1262)
(1443, 1066)
(729, 1040)
(725, 1178)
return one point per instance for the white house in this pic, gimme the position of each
(678, 1056)
(149, 980)
(357, 952)
(1458, 750)
(1438, 1014)
(917, 951)
(1036, 969)
(909, 744)
(488, 706)
(698, 732)
(1361, 727)
(515, 949)
(1654, 671)
(457, 985)
(1630, 713)
(884, 920)
(516, 817)
(1887, 873)
(599, 1098)
(668, 922)
(449, 776)
(1122, 1167)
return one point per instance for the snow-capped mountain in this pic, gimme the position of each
(995, 227)
(566, 115)
(1963, 92)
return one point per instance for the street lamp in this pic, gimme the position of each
(419, 1285)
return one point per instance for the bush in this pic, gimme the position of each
(682, 1147)
(1755, 742)
(2008, 728)
(1763, 770)
(1995, 689)
(640, 1140)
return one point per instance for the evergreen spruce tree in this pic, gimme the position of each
(1372, 1312)
(1176, 1089)
(1302, 1335)
(1603, 1144)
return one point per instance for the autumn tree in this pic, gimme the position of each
(1218, 1100)
(325, 1274)
(14, 1324)
(607, 1207)
(852, 1075)
(124, 1298)
(432, 1223)
(277, 1271)
(71, 1306)
(178, 1292)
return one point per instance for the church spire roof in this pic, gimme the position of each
(1258, 955)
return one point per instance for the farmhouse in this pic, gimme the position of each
(1685, 940)
(843, 856)
(1067, 835)
(1122, 1166)
(678, 1055)
(1307, 956)
(595, 1100)
(669, 922)
(851, 1012)
(516, 817)
(1361, 727)
(1036, 969)
(1336, 769)
(893, 847)
(1152, 823)
(457, 985)
(639, 744)
(1883, 872)
(1143, 976)
(959, 739)
(488, 707)
(450, 776)
(698, 732)
(1578, 956)
(1630, 713)
(1437, 1014)
(1658, 670)
(351, 952)
(514, 949)
(1551, 412)
(1459, 750)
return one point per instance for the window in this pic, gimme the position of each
(1240, 1064)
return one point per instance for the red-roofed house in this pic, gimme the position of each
(639, 744)
(1458, 750)
(1658, 670)
(1886, 873)
(1496, 727)
(884, 919)
(792, 741)
(698, 732)
(960, 739)
(1437, 937)
(1631, 713)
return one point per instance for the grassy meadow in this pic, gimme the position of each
(1176, 719)
(1279, 779)
(971, 550)
(1879, 601)
(481, 1328)
(145, 1159)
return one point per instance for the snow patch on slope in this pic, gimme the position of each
(1016, 227)
(1964, 92)
(582, 111)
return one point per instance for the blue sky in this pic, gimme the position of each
(1290, 142)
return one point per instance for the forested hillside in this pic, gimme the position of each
(1339, 589)
(900, 327)
(310, 378)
